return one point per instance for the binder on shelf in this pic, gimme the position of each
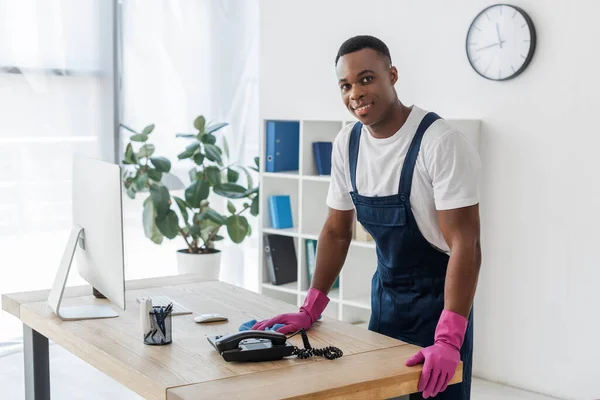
(280, 258)
(280, 208)
(322, 155)
(282, 146)
(311, 261)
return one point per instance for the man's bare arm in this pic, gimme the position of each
(460, 228)
(332, 248)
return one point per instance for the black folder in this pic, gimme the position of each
(280, 258)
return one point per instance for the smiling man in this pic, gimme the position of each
(413, 182)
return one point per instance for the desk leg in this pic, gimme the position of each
(37, 365)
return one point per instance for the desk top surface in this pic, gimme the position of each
(189, 368)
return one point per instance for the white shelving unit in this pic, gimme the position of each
(308, 191)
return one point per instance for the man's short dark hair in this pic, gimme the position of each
(360, 42)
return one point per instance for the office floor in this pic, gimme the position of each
(72, 378)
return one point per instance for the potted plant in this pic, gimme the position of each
(192, 217)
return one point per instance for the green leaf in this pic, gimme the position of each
(168, 224)
(256, 161)
(130, 157)
(249, 233)
(140, 137)
(182, 208)
(160, 197)
(131, 192)
(213, 153)
(199, 158)
(189, 151)
(231, 207)
(161, 164)
(148, 217)
(208, 139)
(226, 146)
(250, 191)
(154, 174)
(141, 181)
(199, 123)
(146, 150)
(232, 175)
(213, 174)
(196, 192)
(214, 216)
(254, 206)
(254, 169)
(148, 130)
(230, 190)
(215, 127)
(216, 238)
(250, 181)
(192, 173)
(237, 227)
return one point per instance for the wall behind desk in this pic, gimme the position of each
(537, 304)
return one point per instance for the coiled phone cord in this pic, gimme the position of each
(329, 352)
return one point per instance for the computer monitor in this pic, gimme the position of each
(96, 240)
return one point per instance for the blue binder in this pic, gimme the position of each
(281, 212)
(322, 153)
(282, 146)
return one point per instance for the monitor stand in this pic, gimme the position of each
(76, 238)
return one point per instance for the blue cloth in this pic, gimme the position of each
(247, 325)
(407, 288)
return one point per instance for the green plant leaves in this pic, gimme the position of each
(189, 151)
(230, 190)
(215, 127)
(130, 157)
(148, 217)
(146, 150)
(139, 137)
(160, 197)
(256, 161)
(232, 175)
(168, 224)
(154, 174)
(231, 207)
(225, 147)
(148, 130)
(214, 216)
(196, 192)
(213, 153)
(199, 123)
(213, 174)
(199, 158)
(208, 139)
(254, 206)
(161, 164)
(182, 208)
(141, 181)
(237, 227)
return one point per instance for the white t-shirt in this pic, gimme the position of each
(446, 175)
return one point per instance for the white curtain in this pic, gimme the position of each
(56, 99)
(182, 59)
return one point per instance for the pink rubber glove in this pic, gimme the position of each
(442, 358)
(311, 310)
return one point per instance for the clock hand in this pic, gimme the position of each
(498, 31)
(490, 45)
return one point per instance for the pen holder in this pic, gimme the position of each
(160, 327)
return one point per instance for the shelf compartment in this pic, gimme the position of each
(314, 208)
(356, 315)
(357, 273)
(316, 131)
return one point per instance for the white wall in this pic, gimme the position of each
(536, 310)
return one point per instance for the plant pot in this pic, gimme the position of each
(206, 265)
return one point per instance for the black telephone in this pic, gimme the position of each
(254, 345)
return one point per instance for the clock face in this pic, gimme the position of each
(500, 42)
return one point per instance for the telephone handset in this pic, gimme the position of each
(252, 345)
(255, 345)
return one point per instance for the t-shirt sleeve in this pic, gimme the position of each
(454, 167)
(338, 196)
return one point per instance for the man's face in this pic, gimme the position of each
(366, 83)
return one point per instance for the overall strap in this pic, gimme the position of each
(353, 152)
(410, 161)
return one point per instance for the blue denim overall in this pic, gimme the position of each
(407, 290)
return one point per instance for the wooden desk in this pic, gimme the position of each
(189, 368)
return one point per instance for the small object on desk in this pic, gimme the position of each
(160, 300)
(161, 326)
(210, 318)
(145, 307)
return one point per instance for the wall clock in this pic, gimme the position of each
(501, 42)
